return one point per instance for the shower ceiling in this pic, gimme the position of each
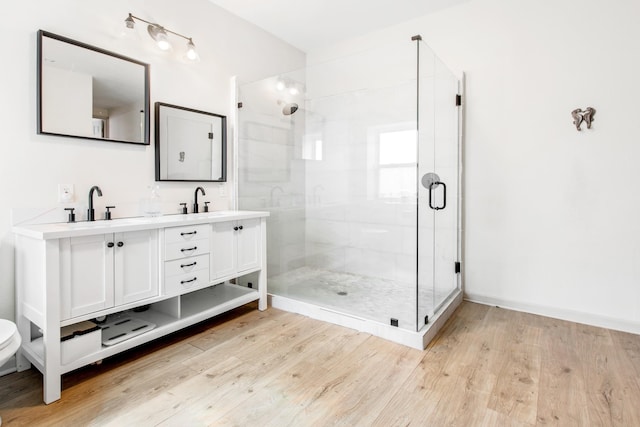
(311, 24)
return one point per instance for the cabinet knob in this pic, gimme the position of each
(235, 228)
(240, 227)
(120, 244)
(110, 244)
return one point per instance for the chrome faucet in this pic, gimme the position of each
(195, 199)
(91, 213)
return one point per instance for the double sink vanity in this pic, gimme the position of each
(89, 290)
(153, 275)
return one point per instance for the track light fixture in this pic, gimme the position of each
(161, 36)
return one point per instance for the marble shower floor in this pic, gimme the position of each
(362, 296)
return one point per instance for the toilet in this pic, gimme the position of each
(9, 342)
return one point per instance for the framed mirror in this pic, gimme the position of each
(88, 92)
(191, 145)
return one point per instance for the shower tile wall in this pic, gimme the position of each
(271, 172)
(350, 227)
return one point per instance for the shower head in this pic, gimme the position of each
(289, 109)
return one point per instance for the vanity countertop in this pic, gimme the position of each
(87, 228)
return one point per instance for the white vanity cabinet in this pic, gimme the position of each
(235, 248)
(169, 272)
(100, 271)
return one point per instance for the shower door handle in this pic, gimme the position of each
(444, 195)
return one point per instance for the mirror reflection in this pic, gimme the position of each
(190, 144)
(88, 92)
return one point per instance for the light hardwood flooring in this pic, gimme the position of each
(487, 367)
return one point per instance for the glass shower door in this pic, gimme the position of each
(438, 183)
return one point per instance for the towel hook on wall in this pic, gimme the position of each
(585, 116)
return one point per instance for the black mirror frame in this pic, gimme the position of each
(147, 115)
(157, 143)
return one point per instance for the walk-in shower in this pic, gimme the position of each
(358, 162)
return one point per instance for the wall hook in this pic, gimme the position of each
(585, 115)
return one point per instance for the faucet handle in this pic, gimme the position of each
(72, 215)
(107, 214)
(206, 206)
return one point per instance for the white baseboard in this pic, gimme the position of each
(558, 313)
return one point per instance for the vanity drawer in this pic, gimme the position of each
(187, 233)
(183, 250)
(186, 266)
(182, 283)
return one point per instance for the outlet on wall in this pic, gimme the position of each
(65, 193)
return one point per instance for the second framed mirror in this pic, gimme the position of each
(191, 145)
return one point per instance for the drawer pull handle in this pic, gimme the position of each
(189, 233)
(188, 265)
(189, 249)
(182, 282)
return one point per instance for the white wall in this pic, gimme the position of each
(551, 213)
(32, 165)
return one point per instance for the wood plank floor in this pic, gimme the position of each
(487, 367)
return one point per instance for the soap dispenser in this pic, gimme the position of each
(206, 206)
(152, 203)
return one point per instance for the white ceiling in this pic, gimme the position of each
(311, 24)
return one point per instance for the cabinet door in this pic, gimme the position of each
(86, 275)
(248, 244)
(223, 250)
(136, 266)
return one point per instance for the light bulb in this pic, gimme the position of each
(129, 22)
(293, 90)
(280, 85)
(163, 42)
(160, 36)
(192, 54)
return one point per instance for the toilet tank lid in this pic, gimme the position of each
(7, 330)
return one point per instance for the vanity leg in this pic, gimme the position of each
(52, 373)
(262, 290)
(24, 329)
(51, 328)
(262, 275)
(51, 387)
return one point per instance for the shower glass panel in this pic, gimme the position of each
(438, 189)
(332, 152)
